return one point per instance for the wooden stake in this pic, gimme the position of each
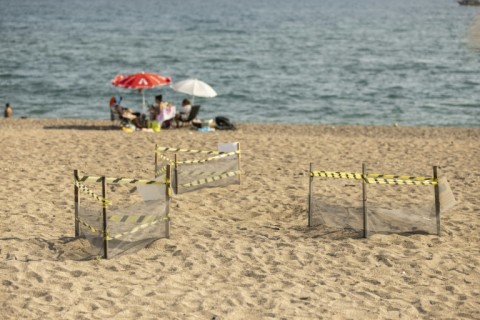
(104, 195)
(167, 201)
(437, 199)
(175, 172)
(77, 204)
(310, 180)
(364, 192)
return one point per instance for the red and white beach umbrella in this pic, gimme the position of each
(117, 79)
(140, 81)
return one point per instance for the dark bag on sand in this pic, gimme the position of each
(223, 123)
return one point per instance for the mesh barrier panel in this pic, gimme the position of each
(90, 220)
(193, 176)
(395, 203)
(136, 216)
(161, 165)
(196, 169)
(447, 199)
(401, 209)
(337, 203)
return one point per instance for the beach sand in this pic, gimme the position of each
(240, 251)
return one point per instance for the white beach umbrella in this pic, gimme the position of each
(195, 88)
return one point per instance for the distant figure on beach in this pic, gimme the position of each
(166, 114)
(8, 111)
(127, 116)
(114, 104)
(155, 109)
(185, 111)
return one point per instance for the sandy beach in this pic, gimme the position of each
(241, 251)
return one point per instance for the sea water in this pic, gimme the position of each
(374, 62)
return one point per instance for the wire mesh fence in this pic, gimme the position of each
(378, 203)
(118, 215)
(198, 169)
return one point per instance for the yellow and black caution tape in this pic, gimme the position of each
(337, 175)
(119, 180)
(400, 182)
(117, 236)
(211, 179)
(131, 218)
(374, 178)
(163, 157)
(398, 177)
(93, 229)
(186, 174)
(163, 149)
(161, 171)
(83, 188)
(218, 157)
(138, 228)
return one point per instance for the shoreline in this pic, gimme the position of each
(396, 125)
(107, 121)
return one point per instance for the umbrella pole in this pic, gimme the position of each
(144, 108)
(193, 96)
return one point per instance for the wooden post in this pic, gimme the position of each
(167, 201)
(437, 199)
(175, 172)
(77, 204)
(310, 180)
(156, 160)
(364, 192)
(104, 205)
(239, 164)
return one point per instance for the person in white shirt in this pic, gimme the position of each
(185, 111)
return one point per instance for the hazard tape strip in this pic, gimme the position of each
(161, 171)
(211, 179)
(198, 174)
(400, 182)
(138, 228)
(163, 157)
(117, 236)
(119, 180)
(131, 218)
(398, 177)
(375, 178)
(83, 188)
(163, 149)
(337, 175)
(93, 229)
(223, 155)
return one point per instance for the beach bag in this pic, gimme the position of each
(223, 123)
(154, 125)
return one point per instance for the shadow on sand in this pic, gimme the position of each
(84, 127)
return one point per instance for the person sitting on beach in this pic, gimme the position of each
(127, 114)
(166, 114)
(156, 108)
(8, 111)
(185, 112)
(115, 106)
